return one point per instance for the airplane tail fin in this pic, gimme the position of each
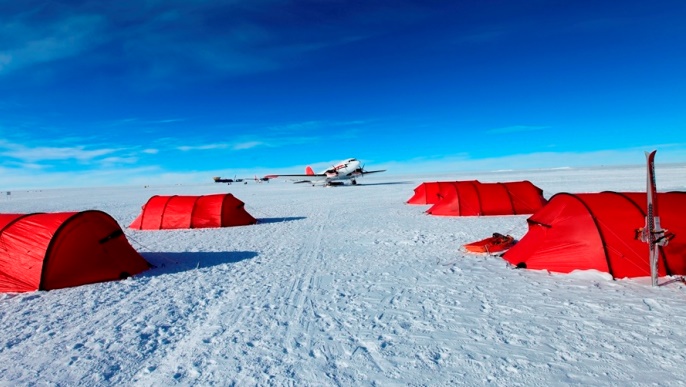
(309, 171)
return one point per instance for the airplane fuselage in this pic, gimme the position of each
(344, 170)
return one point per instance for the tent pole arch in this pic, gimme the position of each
(48, 251)
(509, 196)
(142, 216)
(193, 209)
(164, 210)
(18, 219)
(476, 186)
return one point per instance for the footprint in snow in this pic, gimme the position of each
(652, 304)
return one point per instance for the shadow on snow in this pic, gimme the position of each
(169, 263)
(386, 183)
(279, 220)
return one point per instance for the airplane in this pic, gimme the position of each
(348, 169)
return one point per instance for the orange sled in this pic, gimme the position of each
(494, 244)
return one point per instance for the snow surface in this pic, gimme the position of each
(343, 286)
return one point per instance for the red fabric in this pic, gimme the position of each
(174, 212)
(425, 193)
(457, 198)
(5, 219)
(473, 198)
(233, 212)
(151, 214)
(559, 239)
(673, 219)
(446, 194)
(617, 217)
(57, 250)
(419, 196)
(495, 199)
(525, 196)
(597, 231)
(206, 213)
(468, 200)
(177, 212)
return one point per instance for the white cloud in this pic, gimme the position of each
(26, 157)
(186, 148)
(54, 153)
(14, 179)
(236, 146)
(136, 122)
(247, 145)
(119, 160)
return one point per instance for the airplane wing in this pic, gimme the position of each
(297, 175)
(363, 172)
(368, 172)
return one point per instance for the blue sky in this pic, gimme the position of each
(152, 91)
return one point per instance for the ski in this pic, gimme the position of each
(652, 233)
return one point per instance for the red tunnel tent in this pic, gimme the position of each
(597, 231)
(473, 198)
(174, 212)
(47, 251)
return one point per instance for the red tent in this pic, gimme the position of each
(473, 198)
(428, 192)
(597, 231)
(172, 212)
(59, 250)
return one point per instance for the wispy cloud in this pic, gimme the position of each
(187, 148)
(236, 146)
(27, 154)
(517, 129)
(202, 39)
(247, 145)
(55, 157)
(22, 178)
(17, 165)
(276, 136)
(119, 160)
(30, 42)
(137, 122)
